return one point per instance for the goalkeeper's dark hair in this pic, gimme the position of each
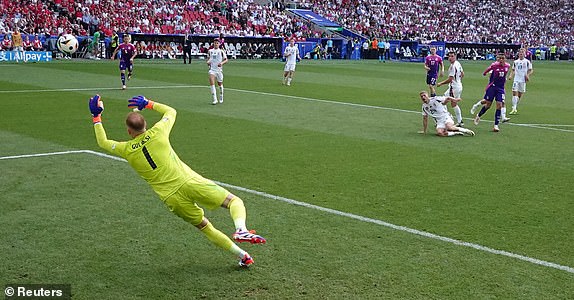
(136, 122)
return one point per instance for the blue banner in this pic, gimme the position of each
(315, 18)
(25, 56)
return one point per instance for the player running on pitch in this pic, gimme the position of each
(521, 71)
(494, 92)
(128, 53)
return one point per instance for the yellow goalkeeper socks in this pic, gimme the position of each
(238, 213)
(221, 240)
(217, 237)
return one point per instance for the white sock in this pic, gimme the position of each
(213, 92)
(479, 103)
(221, 91)
(237, 251)
(453, 133)
(515, 102)
(289, 80)
(503, 112)
(240, 225)
(458, 114)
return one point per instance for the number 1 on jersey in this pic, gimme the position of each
(148, 158)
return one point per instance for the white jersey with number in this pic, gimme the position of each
(216, 56)
(435, 108)
(438, 111)
(455, 70)
(294, 53)
(521, 67)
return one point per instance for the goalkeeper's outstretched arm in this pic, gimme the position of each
(96, 108)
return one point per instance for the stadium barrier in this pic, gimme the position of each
(236, 47)
(404, 50)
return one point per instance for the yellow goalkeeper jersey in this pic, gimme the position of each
(150, 154)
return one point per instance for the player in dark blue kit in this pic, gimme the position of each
(127, 54)
(495, 89)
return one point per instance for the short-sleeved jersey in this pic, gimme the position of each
(216, 56)
(433, 62)
(435, 107)
(37, 44)
(521, 68)
(381, 45)
(27, 45)
(455, 70)
(294, 53)
(150, 154)
(6, 43)
(498, 75)
(127, 51)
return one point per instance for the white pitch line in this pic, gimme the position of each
(343, 214)
(554, 125)
(42, 154)
(95, 89)
(537, 126)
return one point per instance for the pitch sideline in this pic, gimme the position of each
(336, 212)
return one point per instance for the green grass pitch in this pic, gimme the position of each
(343, 137)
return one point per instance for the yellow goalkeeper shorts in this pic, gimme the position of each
(186, 202)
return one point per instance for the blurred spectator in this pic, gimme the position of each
(533, 23)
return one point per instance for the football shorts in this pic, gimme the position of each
(218, 75)
(519, 87)
(454, 91)
(441, 122)
(185, 202)
(289, 67)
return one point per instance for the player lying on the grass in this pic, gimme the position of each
(150, 154)
(436, 107)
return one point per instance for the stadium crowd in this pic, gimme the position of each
(531, 23)
(83, 17)
(528, 22)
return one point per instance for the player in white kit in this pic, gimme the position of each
(521, 70)
(217, 58)
(436, 108)
(454, 81)
(291, 55)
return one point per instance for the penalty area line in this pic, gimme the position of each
(339, 213)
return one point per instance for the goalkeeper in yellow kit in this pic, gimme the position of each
(150, 154)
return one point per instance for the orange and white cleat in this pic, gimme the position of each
(246, 261)
(248, 236)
